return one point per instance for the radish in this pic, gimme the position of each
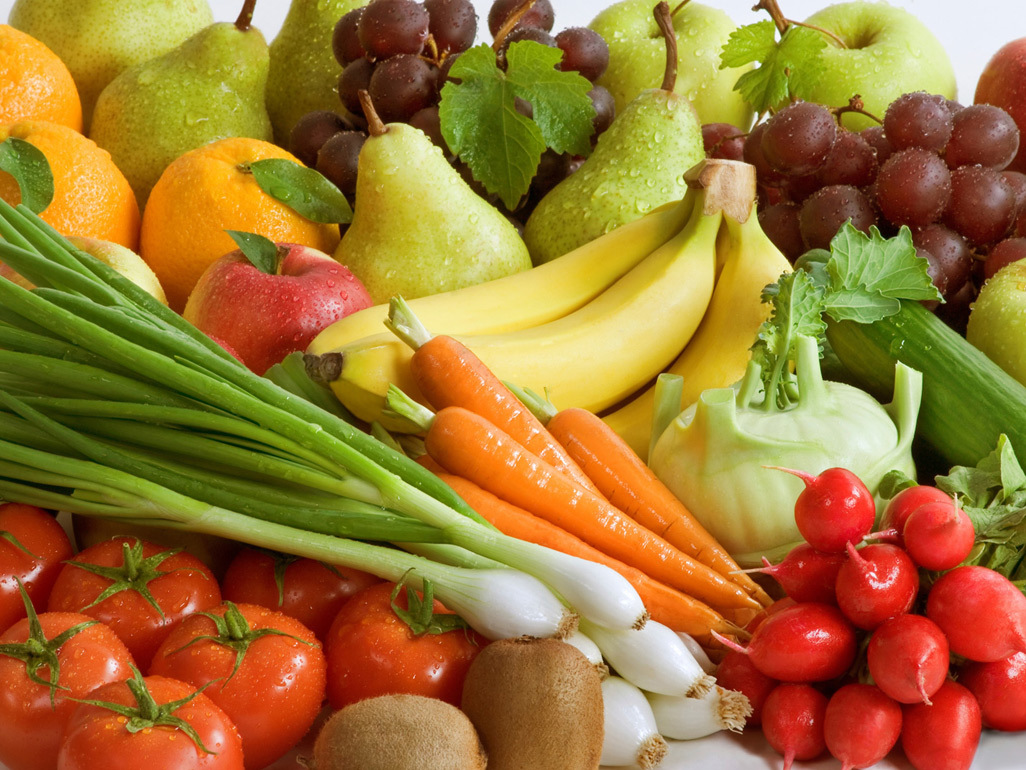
(981, 612)
(908, 658)
(834, 508)
(805, 574)
(944, 735)
(861, 725)
(1000, 689)
(792, 721)
(808, 642)
(901, 506)
(777, 606)
(737, 672)
(939, 536)
(876, 583)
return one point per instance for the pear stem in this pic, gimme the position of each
(510, 23)
(375, 127)
(665, 22)
(245, 20)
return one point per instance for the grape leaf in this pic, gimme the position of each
(481, 125)
(787, 68)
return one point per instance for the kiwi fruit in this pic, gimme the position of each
(536, 704)
(398, 732)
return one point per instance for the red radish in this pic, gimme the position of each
(834, 508)
(809, 642)
(944, 735)
(876, 583)
(939, 536)
(780, 604)
(908, 658)
(900, 506)
(981, 612)
(805, 574)
(737, 672)
(1000, 689)
(792, 721)
(861, 725)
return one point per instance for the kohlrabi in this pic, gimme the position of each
(715, 455)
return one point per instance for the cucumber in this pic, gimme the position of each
(968, 400)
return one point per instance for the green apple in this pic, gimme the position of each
(637, 58)
(888, 52)
(997, 321)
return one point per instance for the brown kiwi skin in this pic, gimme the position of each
(536, 704)
(398, 732)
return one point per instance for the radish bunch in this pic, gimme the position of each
(857, 656)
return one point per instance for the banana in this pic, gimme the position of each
(592, 357)
(718, 353)
(530, 297)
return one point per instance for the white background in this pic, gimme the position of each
(970, 30)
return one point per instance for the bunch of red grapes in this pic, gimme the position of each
(936, 166)
(400, 53)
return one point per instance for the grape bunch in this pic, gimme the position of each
(933, 165)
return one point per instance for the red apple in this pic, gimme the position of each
(260, 316)
(1003, 84)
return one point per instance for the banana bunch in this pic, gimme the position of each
(594, 327)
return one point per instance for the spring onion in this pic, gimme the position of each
(631, 735)
(685, 719)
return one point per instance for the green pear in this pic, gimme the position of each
(418, 228)
(99, 39)
(304, 74)
(638, 164)
(637, 57)
(210, 87)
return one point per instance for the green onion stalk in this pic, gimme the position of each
(113, 405)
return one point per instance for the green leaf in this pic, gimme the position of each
(263, 253)
(304, 190)
(31, 171)
(481, 125)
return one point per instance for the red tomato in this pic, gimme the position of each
(30, 725)
(178, 582)
(308, 590)
(37, 532)
(98, 737)
(275, 694)
(372, 651)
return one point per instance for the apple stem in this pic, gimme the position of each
(245, 20)
(375, 126)
(665, 22)
(510, 23)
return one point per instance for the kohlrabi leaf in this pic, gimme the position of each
(787, 69)
(480, 122)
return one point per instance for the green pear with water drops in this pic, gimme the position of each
(210, 87)
(418, 228)
(638, 164)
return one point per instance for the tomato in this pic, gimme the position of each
(142, 732)
(372, 651)
(83, 653)
(274, 695)
(32, 548)
(114, 582)
(308, 590)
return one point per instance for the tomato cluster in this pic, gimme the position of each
(857, 655)
(131, 652)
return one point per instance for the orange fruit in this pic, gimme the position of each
(91, 197)
(203, 193)
(34, 83)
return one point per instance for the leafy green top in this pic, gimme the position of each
(863, 278)
(480, 122)
(31, 171)
(788, 68)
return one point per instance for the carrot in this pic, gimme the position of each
(448, 373)
(468, 445)
(630, 485)
(664, 604)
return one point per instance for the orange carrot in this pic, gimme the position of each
(468, 445)
(631, 486)
(664, 604)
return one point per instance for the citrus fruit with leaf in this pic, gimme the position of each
(215, 188)
(90, 196)
(34, 83)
